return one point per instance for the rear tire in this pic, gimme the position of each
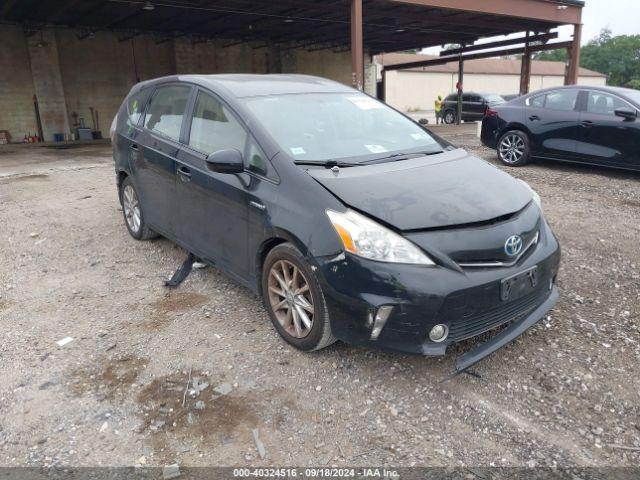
(513, 149)
(293, 297)
(449, 117)
(132, 212)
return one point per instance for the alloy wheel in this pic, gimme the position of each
(290, 298)
(131, 207)
(449, 118)
(512, 149)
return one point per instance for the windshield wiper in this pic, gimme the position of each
(402, 156)
(327, 163)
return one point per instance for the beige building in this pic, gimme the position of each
(417, 88)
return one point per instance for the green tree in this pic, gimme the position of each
(617, 57)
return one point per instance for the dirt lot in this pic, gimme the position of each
(566, 393)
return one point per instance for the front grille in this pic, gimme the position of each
(471, 326)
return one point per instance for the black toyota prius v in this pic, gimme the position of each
(352, 221)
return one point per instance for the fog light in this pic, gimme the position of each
(381, 317)
(439, 333)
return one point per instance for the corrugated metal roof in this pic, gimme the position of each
(498, 66)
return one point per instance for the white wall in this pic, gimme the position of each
(412, 91)
(409, 91)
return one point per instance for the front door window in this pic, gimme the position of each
(214, 127)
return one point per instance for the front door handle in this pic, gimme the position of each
(587, 124)
(184, 173)
(534, 118)
(134, 147)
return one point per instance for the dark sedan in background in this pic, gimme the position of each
(594, 125)
(473, 106)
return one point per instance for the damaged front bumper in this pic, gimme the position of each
(415, 299)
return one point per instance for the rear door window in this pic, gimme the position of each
(564, 100)
(166, 110)
(537, 102)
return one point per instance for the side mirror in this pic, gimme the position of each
(626, 113)
(226, 161)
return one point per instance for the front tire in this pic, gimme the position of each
(513, 149)
(132, 211)
(293, 297)
(449, 117)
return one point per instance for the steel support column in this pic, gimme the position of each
(525, 72)
(573, 65)
(357, 45)
(460, 88)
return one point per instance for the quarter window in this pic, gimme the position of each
(600, 103)
(214, 127)
(256, 161)
(135, 107)
(538, 102)
(166, 111)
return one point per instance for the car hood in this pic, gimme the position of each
(452, 188)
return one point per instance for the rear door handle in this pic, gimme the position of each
(534, 118)
(133, 147)
(184, 173)
(587, 124)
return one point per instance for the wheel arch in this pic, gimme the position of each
(278, 237)
(515, 126)
(120, 176)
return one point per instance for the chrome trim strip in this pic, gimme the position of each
(533, 242)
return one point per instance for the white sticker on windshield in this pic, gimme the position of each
(419, 136)
(376, 148)
(365, 103)
(297, 150)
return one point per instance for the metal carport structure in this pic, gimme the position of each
(78, 56)
(372, 26)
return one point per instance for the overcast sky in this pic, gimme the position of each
(621, 16)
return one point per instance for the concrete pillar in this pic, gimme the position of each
(185, 56)
(47, 82)
(370, 76)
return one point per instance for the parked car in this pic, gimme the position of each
(473, 106)
(351, 220)
(594, 125)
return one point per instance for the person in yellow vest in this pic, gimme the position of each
(439, 104)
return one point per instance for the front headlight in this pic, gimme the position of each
(534, 194)
(365, 238)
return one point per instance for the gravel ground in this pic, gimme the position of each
(565, 393)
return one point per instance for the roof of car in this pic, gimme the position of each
(251, 85)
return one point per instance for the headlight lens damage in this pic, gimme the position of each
(365, 238)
